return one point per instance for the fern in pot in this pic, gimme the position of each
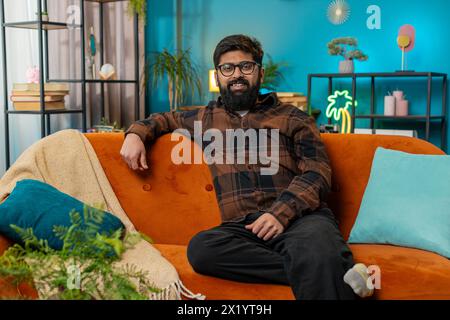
(84, 269)
(272, 74)
(182, 75)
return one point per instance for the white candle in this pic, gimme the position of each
(389, 105)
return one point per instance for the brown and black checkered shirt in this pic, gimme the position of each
(303, 180)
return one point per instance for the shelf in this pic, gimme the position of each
(378, 75)
(36, 23)
(410, 117)
(46, 25)
(45, 112)
(109, 81)
(90, 81)
(64, 80)
(104, 1)
(425, 116)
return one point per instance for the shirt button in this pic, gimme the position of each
(147, 187)
(209, 187)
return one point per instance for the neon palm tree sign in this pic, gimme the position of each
(341, 112)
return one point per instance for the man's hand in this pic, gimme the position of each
(133, 152)
(266, 227)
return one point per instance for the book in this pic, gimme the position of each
(21, 98)
(51, 86)
(391, 132)
(37, 93)
(289, 94)
(36, 106)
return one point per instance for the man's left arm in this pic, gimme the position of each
(311, 186)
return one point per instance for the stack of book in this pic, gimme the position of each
(296, 99)
(26, 96)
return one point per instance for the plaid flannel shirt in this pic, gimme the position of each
(303, 180)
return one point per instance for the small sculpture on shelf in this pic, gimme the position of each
(107, 72)
(90, 61)
(33, 74)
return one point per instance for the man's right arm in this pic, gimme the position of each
(145, 131)
(156, 125)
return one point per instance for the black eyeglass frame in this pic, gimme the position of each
(240, 65)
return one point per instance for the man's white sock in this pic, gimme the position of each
(356, 278)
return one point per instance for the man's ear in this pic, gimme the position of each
(262, 75)
(216, 76)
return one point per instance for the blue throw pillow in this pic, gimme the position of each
(35, 204)
(406, 202)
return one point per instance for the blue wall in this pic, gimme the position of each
(297, 31)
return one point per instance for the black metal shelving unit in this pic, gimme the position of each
(43, 27)
(427, 117)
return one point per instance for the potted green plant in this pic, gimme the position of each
(272, 74)
(106, 126)
(138, 7)
(51, 272)
(181, 74)
(347, 48)
(44, 15)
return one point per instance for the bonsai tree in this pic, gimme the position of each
(181, 73)
(272, 74)
(346, 47)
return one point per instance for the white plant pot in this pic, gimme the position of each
(346, 66)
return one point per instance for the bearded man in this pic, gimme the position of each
(275, 228)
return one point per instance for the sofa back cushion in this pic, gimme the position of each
(171, 203)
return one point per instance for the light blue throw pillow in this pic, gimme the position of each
(406, 202)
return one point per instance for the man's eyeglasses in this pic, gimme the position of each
(246, 67)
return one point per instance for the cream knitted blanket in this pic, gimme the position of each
(67, 161)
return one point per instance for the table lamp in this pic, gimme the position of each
(212, 81)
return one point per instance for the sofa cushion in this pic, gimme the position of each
(38, 205)
(406, 273)
(406, 202)
(220, 289)
(168, 202)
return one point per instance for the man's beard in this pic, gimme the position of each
(243, 100)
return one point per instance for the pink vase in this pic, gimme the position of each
(346, 66)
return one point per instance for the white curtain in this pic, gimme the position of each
(21, 52)
(118, 38)
(65, 63)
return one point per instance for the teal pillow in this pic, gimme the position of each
(35, 204)
(406, 202)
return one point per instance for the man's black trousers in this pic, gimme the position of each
(310, 255)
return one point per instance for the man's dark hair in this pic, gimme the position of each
(239, 42)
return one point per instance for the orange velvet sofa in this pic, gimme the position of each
(171, 203)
